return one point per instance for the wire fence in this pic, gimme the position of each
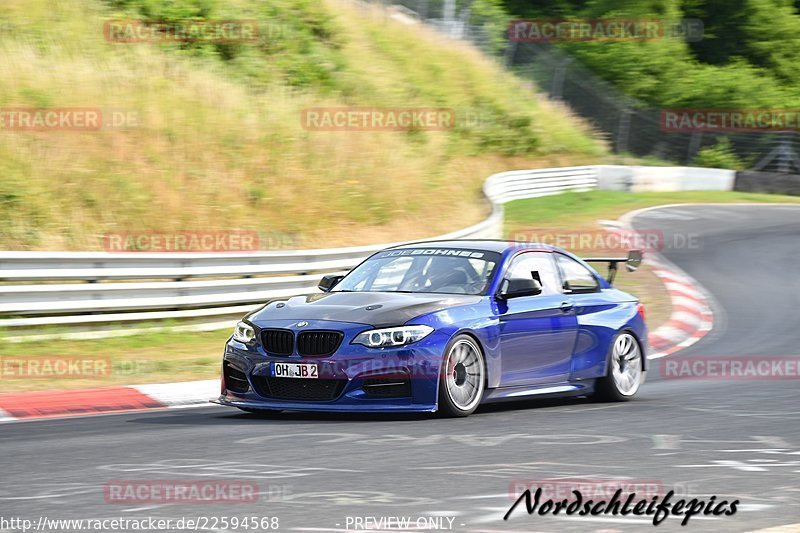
(630, 126)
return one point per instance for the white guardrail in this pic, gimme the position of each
(134, 287)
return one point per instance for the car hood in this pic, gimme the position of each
(378, 309)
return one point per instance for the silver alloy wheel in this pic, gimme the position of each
(626, 364)
(464, 378)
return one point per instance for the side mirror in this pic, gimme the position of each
(329, 281)
(634, 260)
(517, 287)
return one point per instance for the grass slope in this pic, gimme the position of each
(220, 143)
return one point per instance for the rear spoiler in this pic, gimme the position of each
(632, 262)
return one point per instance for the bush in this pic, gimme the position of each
(721, 155)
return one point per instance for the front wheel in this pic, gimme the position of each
(625, 370)
(462, 379)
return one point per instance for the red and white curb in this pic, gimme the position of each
(58, 404)
(691, 318)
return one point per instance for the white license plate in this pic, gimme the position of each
(295, 370)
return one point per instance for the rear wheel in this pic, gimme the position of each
(462, 379)
(625, 370)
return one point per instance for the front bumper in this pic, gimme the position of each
(342, 407)
(349, 377)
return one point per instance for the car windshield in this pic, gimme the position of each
(450, 271)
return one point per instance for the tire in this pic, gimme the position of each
(625, 374)
(462, 379)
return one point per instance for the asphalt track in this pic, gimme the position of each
(733, 439)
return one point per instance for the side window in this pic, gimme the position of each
(536, 265)
(576, 276)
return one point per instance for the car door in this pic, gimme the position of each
(537, 333)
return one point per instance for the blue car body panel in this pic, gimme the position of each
(532, 346)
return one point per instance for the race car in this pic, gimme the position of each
(442, 326)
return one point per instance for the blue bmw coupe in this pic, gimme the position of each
(442, 326)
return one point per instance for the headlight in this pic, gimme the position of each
(378, 338)
(244, 333)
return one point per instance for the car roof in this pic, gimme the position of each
(486, 245)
